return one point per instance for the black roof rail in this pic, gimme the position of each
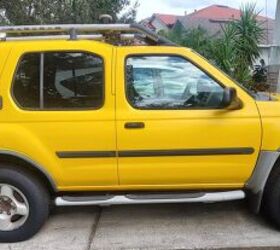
(81, 31)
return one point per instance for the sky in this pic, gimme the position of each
(178, 7)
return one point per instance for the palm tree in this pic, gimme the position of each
(222, 50)
(197, 39)
(249, 33)
(236, 50)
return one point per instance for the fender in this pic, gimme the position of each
(33, 163)
(256, 184)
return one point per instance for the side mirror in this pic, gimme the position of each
(230, 99)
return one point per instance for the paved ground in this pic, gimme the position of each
(179, 226)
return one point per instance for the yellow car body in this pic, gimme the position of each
(38, 135)
(86, 122)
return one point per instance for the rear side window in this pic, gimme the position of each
(26, 87)
(59, 81)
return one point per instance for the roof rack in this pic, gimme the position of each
(82, 31)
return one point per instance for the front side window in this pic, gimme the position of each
(59, 80)
(170, 82)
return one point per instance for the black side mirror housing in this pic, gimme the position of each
(230, 99)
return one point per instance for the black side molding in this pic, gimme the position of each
(187, 152)
(1, 102)
(86, 154)
(156, 153)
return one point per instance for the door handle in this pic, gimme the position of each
(134, 125)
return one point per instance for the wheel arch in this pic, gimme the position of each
(26, 164)
(255, 186)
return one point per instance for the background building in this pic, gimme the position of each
(274, 54)
(213, 18)
(158, 22)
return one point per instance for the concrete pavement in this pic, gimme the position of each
(175, 226)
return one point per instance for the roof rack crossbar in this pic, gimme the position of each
(97, 37)
(29, 29)
(74, 31)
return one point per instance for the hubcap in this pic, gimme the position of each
(14, 208)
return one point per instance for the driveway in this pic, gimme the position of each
(175, 226)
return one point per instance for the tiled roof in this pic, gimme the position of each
(219, 11)
(213, 18)
(167, 19)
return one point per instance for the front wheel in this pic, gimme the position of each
(24, 204)
(271, 198)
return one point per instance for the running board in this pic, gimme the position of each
(107, 200)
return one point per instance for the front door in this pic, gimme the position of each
(171, 129)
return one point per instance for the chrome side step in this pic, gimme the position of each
(150, 199)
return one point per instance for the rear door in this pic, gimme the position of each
(61, 100)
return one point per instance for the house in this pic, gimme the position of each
(213, 18)
(160, 22)
(274, 54)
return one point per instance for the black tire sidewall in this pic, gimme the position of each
(37, 197)
(271, 198)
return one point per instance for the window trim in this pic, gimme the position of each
(61, 109)
(164, 55)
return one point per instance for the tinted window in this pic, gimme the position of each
(69, 80)
(27, 82)
(170, 82)
(72, 80)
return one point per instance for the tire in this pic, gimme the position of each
(29, 192)
(271, 198)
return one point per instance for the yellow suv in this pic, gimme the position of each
(86, 122)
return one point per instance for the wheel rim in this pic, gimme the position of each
(14, 208)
